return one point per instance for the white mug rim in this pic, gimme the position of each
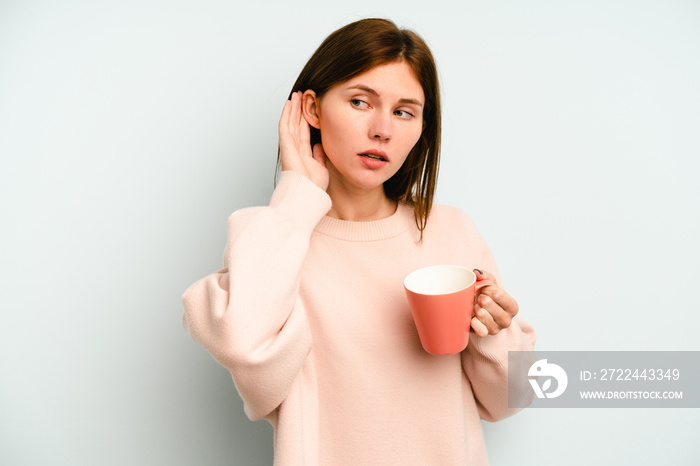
(417, 289)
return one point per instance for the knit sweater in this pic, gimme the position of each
(310, 317)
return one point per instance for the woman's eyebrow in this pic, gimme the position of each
(369, 90)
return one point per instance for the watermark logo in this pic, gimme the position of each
(542, 368)
(603, 379)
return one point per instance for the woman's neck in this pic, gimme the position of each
(359, 205)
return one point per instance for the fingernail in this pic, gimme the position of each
(480, 272)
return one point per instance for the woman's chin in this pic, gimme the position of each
(368, 180)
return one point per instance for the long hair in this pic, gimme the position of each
(359, 47)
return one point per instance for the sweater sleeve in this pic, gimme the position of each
(248, 315)
(485, 360)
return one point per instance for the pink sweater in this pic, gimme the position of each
(310, 316)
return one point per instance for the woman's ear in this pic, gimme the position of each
(310, 107)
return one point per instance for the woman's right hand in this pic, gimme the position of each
(295, 145)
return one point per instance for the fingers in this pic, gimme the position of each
(284, 136)
(494, 309)
(491, 315)
(295, 114)
(304, 130)
(291, 114)
(479, 328)
(297, 124)
(296, 153)
(284, 118)
(291, 145)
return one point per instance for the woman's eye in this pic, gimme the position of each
(403, 114)
(358, 103)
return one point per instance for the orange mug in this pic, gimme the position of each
(441, 298)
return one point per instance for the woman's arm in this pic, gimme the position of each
(485, 361)
(248, 314)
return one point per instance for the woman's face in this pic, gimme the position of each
(369, 124)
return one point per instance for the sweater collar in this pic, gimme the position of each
(400, 221)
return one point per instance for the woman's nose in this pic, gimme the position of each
(380, 127)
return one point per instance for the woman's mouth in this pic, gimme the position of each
(374, 158)
(375, 154)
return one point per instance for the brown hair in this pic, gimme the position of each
(359, 47)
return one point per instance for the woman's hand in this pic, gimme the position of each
(494, 309)
(295, 145)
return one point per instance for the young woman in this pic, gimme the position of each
(309, 312)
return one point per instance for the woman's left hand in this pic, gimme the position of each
(494, 309)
